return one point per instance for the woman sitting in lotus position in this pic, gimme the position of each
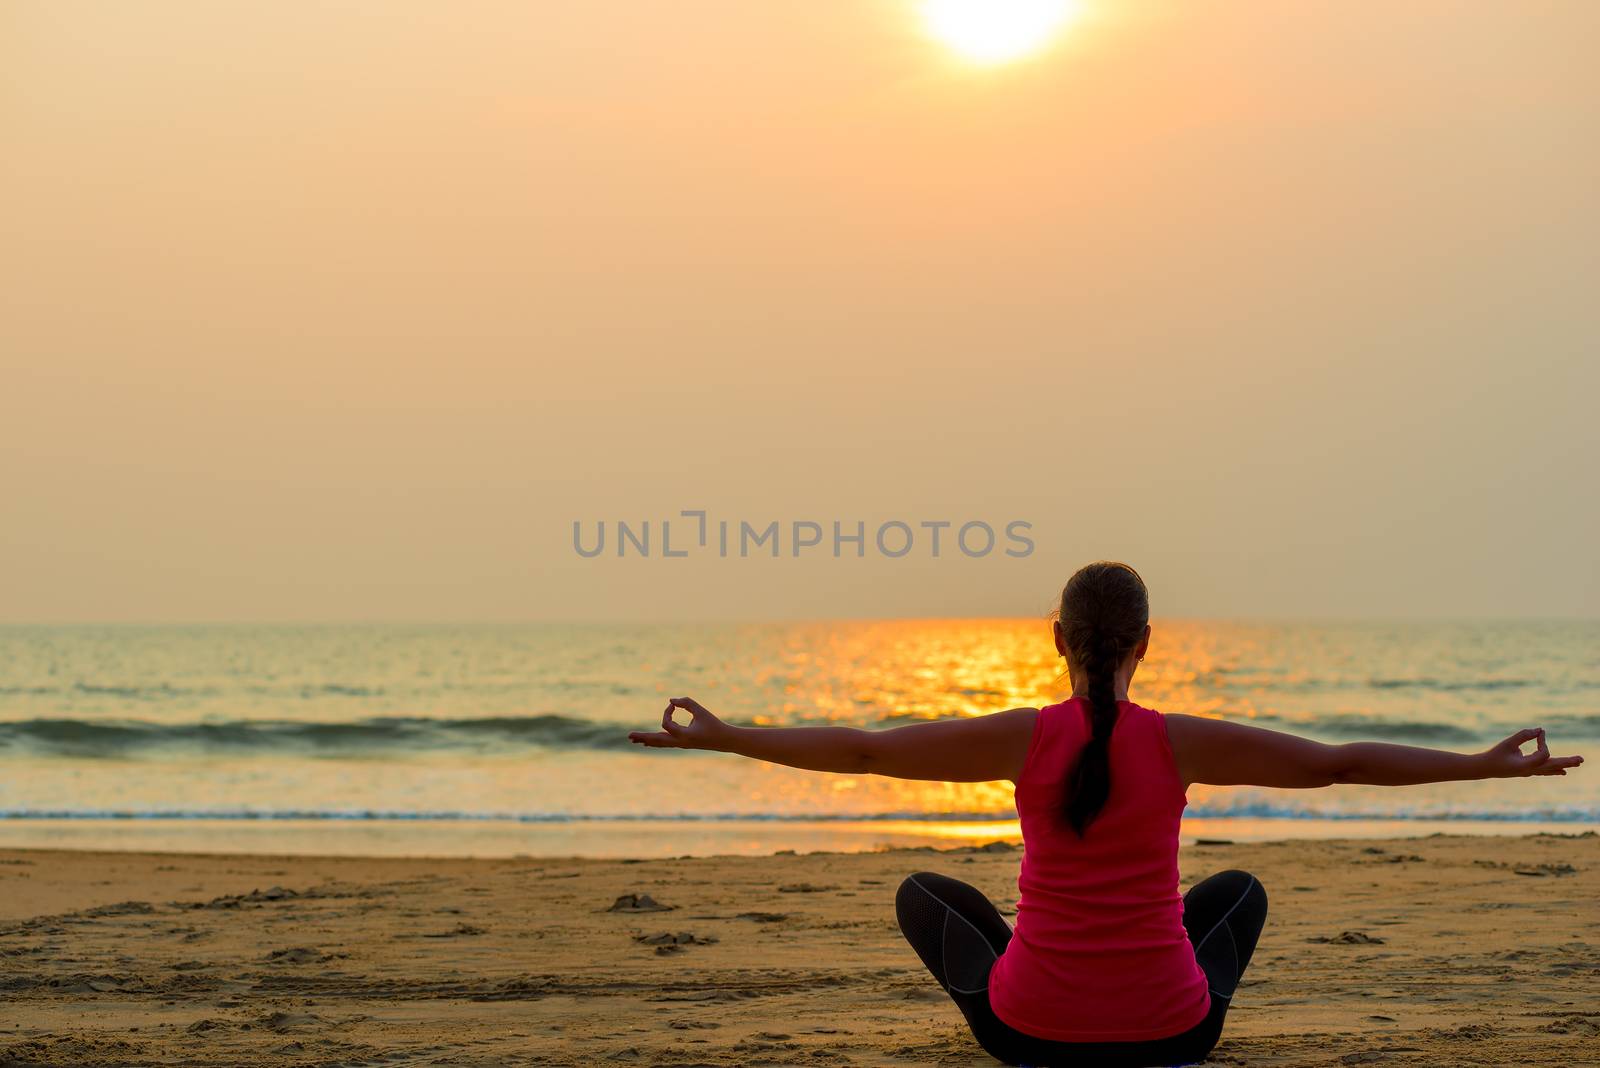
(1107, 964)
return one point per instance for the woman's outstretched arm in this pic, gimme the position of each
(979, 749)
(1219, 753)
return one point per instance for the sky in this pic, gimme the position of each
(351, 310)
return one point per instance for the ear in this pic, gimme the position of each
(1061, 642)
(1144, 644)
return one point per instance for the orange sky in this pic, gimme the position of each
(348, 310)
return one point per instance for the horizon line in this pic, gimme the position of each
(769, 620)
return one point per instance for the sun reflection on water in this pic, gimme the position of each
(1325, 681)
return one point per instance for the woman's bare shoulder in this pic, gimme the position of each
(1021, 726)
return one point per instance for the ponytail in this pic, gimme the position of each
(1090, 783)
(1104, 610)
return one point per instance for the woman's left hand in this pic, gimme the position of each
(1508, 761)
(703, 731)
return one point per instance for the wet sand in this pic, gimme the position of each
(1435, 951)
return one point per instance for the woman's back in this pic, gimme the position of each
(1099, 951)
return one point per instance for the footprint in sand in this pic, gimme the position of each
(638, 903)
(1573, 1025)
(805, 888)
(1546, 869)
(1535, 870)
(1348, 938)
(300, 1022)
(121, 908)
(301, 955)
(289, 1021)
(460, 930)
(923, 993)
(1391, 858)
(667, 942)
(234, 901)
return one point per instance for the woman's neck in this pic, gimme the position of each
(1119, 693)
(1119, 686)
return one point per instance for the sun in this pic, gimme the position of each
(997, 31)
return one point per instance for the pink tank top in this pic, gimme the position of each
(1099, 952)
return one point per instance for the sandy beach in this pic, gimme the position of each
(1427, 951)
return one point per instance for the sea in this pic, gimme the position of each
(507, 740)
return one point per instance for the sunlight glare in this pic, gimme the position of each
(995, 31)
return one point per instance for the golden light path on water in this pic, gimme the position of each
(906, 671)
(1449, 687)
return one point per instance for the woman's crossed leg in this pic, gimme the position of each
(959, 934)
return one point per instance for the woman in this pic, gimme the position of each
(1107, 965)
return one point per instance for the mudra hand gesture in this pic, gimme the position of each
(1508, 761)
(703, 731)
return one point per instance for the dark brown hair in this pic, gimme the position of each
(1104, 610)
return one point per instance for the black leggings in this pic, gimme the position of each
(959, 935)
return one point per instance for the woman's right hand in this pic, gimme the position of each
(1508, 761)
(703, 731)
